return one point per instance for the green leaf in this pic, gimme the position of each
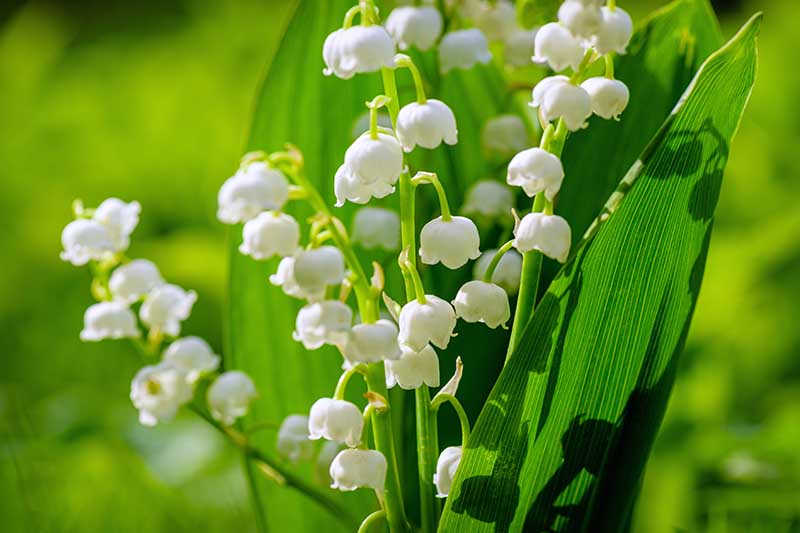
(564, 437)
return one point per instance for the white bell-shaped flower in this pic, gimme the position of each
(419, 27)
(609, 97)
(432, 322)
(463, 49)
(193, 356)
(352, 469)
(543, 86)
(376, 227)
(269, 234)
(495, 19)
(120, 218)
(356, 50)
(520, 47)
(336, 420)
(370, 170)
(284, 278)
(556, 46)
(158, 392)
(250, 191)
(506, 274)
(165, 307)
(561, 99)
(293, 442)
(322, 323)
(504, 135)
(446, 468)
(230, 395)
(616, 29)
(549, 234)
(132, 281)
(478, 301)
(317, 268)
(536, 170)
(109, 320)
(426, 125)
(370, 343)
(452, 242)
(582, 19)
(489, 198)
(86, 240)
(413, 369)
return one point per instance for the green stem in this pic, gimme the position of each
(403, 61)
(258, 509)
(371, 520)
(459, 409)
(430, 177)
(341, 385)
(609, 60)
(487, 276)
(390, 90)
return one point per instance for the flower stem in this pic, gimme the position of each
(403, 61)
(371, 520)
(430, 177)
(487, 276)
(341, 385)
(609, 61)
(459, 409)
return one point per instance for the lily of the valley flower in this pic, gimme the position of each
(356, 50)
(495, 19)
(557, 98)
(581, 18)
(430, 322)
(230, 395)
(336, 420)
(317, 268)
(269, 234)
(504, 135)
(86, 240)
(193, 356)
(556, 46)
(376, 227)
(616, 29)
(284, 278)
(426, 124)
(293, 442)
(165, 307)
(446, 468)
(507, 273)
(520, 47)
(370, 343)
(108, 320)
(132, 281)
(370, 170)
(419, 27)
(158, 392)
(463, 49)
(250, 191)
(413, 369)
(452, 242)
(609, 97)
(536, 171)
(549, 234)
(322, 323)
(120, 218)
(478, 301)
(352, 469)
(489, 199)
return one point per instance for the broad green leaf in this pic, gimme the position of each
(567, 429)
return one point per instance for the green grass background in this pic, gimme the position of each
(152, 101)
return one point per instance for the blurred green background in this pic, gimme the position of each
(152, 101)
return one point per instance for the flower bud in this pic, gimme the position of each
(489, 199)
(582, 19)
(452, 242)
(120, 219)
(561, 99)
(426, 125)
(352, 469)
(109, 320)
(609, 97)
(336, 420)
(356, 50)
(376, 227)
(414, 26)
(549, 234)
(270, 233)
(165, 307)
(504, 135)
(520, 47)
(496, 19)
(370, 343)
(556, 46)
(193, 356)
(507, 273)
(284, 278)
(230, 395)
(321, 323)
(293, 442)
(478, 301)
(536, 171)
(413, 369)
(134, 280)
(616, 29)
(86, 240)
(250, 191)
(432, 322)
(371, 168)
(463, 49)
(158, 392)
(317, 268)
(446, 468)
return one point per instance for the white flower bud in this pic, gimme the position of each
(426, 125)
(432, 322)
(108, 320)
(413, 369)
(352, 469)
(317, 268)
(549, 234)
(336, 420)
(321, 323)
(463, 49)
(376, 227)
(270, 233)
(582, 19)
(134, 280)
(504, 136)
(193, 356)
(250, 191)
(478, 301)
(414, 26)
(446, 468)
(284, 278)
(507, 273)
(120, 218)
(543, 86)
(556, 46)
(356, 50)
(490, 199)
(230, 395)
(520, 47)
(609, 97)
(495, 20)
(165, 307)
(616, 29)
(86, 240)
(371, 168)
(293, 442)
(536, 170)
(370, 343)
(561, 99)
(452, 242)
(158, 392)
